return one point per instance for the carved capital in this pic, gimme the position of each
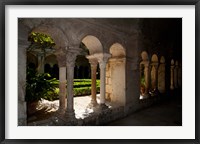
(102, 59)
(72, 52)
(70, 59)
(92, 60)
(61, 58)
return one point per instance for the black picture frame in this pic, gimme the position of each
(3, 3)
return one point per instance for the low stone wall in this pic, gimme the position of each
(102, 117)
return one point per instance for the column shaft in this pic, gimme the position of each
(176, 77)
(102, 82)
(62, 89)
(70, 100)
(172, 78)
(93, 85)
(70, 60)
(146, 74)
(156, 81)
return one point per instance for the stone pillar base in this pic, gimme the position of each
(92, 104)
(61, 111)
(70, 115)
(102, 107)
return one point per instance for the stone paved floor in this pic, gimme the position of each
(166, 114)
(47, 108)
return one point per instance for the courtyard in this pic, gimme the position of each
(88, 71)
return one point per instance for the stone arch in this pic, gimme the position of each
(93, 44)
(161, 75)
(117, 50)
(55, 33)
(154, 58)
(154, 66)
(51, 60)
(115, 75)
(31, 58)
(144, 56)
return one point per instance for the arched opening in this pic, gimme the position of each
(115, 75)
(55, 71)
(144, 75)
(93, 44)
(51, 60)
(47, 68)
(87, 82)
(154, 74)
(161, 75)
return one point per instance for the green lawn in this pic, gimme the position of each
(81, 87)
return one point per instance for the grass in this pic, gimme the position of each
(81, 87)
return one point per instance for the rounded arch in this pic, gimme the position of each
(47, 68)
(55, 33)
(93, 44)
(117, 50)
(51, 60)
(154, 58)
(162, 59)
(31, 58)
(172, 62)
(144, 56)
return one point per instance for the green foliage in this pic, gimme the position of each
(84, 91)
(40, 41)
(83, 87)
(38, 86)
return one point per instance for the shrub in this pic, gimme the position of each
(38, 86)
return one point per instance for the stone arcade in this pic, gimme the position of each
(124, 49)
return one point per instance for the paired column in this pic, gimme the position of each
(70, 61)
(93, 63)
(156, 76)
(62, 82)
(102, 59)
(172, 77)
(146, 75)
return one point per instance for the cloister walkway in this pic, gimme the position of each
(166, 113)
(47, 108)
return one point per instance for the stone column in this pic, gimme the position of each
(156, 81)
(22, 108)
(172, 77)
(62, 82)
(93, 62)
(102, 59)
(70, 60)
(40, 67)
(176, 75)
(146, 75)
